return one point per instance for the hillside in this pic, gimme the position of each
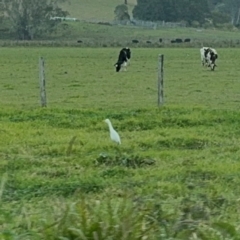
(97, 33)
(95, 9)
(107, 35)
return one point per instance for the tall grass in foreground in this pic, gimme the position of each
(125, 218)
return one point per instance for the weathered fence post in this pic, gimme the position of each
(42, 82)
(160, 80)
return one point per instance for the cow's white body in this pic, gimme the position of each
(203, 57)
(208, 57)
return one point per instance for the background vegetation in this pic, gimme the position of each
(96, 24)
(194, 12)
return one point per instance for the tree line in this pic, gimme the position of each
(29, 19)
(190, 11)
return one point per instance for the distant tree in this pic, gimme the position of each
(219, 17)
(171, 10)
(151, 10)
(125, 2)
(32, 18)
(232, 7)
(121, 12)
(1, 12)
(195, 10)
(213, 3)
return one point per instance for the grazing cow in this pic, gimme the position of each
(178, 40)
(148, 42)
(123, 59)
(208, 57)
(187, 40)
(135, 41)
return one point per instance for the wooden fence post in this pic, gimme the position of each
(160, 80)
(42, 82)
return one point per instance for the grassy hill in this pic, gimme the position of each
(93, 34)
(92, 30)
(104, 35)
(95, 9)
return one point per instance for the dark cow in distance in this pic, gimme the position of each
(123, 59)
(135, 41)
(178, 40)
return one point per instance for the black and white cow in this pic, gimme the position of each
(203, 53)
(209, 57)
(123, 59)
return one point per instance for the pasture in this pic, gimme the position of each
(99, 35)
(85, 78)
(95, 10)
(176, 174)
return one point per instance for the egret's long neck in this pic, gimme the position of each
(110, 126)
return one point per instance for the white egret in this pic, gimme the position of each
(113, 134)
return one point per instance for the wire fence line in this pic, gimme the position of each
(147, 24)
(131, 22)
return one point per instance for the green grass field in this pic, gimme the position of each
(98, 35)
(176, 174)
(122, 35)
(72, 72)
(95, 9)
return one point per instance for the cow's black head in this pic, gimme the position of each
(117, 66)
(213, 57)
